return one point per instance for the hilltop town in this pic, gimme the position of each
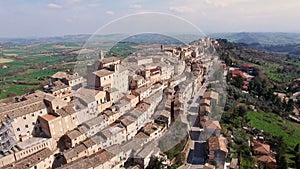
(114, 116)
(160, 107)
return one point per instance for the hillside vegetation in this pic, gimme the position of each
(277, 69)
(263, 38)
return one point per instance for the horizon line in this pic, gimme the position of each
(178, 33)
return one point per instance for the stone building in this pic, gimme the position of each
(40, 159)
(217, 150)
(23, 116)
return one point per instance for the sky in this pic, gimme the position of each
(42, 18)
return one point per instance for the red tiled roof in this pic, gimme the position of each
(154, 70)
(261, 148)
(217, 143)
(266, 159)
(238, 72)
(48, 117)
(209, 124)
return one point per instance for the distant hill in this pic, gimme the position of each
(146, 38)
(260, 38)
(292, 50)
(27, 41)
(151, 38)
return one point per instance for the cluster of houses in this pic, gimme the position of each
(245, 72)
(217, 144)
(102, 120)
(263, 154)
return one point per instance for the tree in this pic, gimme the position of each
(280, 156)
(228, 77)
(297, 160)
(238, 81)
(290, 106)
(255, 71)
(282, 163)
(155, 163)
(296, 149)
(255, 86)
(241, 111)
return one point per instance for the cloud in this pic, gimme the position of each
(69, 20)
(94, 4)
(181, 9)
(135, 6)
(224, 3)
(71, 1)
(54, 6)
(110, 12)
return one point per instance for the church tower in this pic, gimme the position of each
(101, 55)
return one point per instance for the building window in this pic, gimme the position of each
(26, 126)
(32, 114)
(41, 112)
(24, 117)
(18, 129)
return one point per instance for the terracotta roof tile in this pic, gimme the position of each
(217, 143)
(261, 148)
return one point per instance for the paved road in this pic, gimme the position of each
(197, 153)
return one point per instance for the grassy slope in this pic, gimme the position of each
(275, 125)
(19, 89)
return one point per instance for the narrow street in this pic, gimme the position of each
(197, 154)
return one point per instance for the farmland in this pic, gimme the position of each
(28, 67)
(275, 125)
(33, 65)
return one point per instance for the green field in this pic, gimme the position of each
(274, 72)
(33, 65)
(12, 66)
(18, 89)
(121, 50)
(276, 126)
(294, 63)
(36, 76)
(29, 76)
(47, 60)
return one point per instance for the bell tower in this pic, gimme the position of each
(101, 55)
